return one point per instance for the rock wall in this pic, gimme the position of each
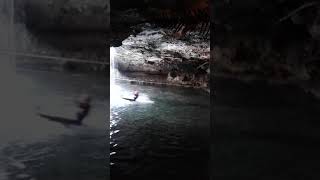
(62, 28)
(155, 51)
(67, 15)
(273, 40)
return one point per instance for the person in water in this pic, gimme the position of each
(84, 107)
(135, 96)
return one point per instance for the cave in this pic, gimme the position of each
(156, 39)
(159, 50)
(144, 63)
(192, 89)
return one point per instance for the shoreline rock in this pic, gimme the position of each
(155, 51)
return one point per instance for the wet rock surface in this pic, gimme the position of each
(157, 51)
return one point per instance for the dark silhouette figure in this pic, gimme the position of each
(135, 96)
(84, 108)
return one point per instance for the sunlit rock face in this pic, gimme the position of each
(184, 60)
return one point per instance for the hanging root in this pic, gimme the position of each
(297, 10)
(194, 16)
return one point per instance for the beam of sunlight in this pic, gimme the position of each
(116, 91)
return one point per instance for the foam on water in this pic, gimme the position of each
(116, 91)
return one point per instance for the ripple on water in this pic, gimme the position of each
(38, 153)
(165, 133)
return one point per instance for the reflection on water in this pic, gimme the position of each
(34, 148)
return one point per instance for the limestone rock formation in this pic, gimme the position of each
(155, 51)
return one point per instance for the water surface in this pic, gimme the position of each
(34, 148)
(163, 135)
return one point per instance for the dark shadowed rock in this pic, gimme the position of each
(61, 15)
(276, 41)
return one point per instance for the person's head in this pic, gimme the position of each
(85, 98)
(136, 93)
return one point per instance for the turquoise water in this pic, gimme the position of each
(163, 135)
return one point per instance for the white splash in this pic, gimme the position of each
(116, 91)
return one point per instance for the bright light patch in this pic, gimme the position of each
(116, 91)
